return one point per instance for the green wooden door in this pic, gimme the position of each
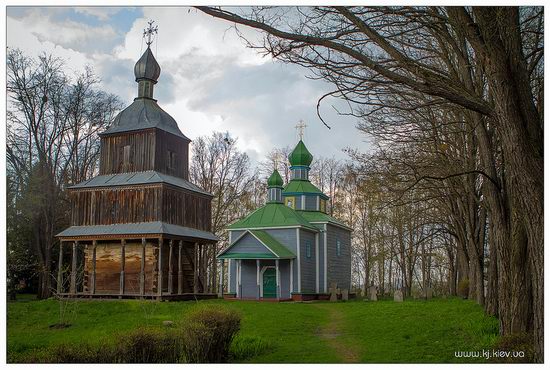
(270, 283)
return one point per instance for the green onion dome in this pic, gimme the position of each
(275, 180)
(300, 156)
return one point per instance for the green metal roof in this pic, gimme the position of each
(272, 215)
(276, 247)
(300, 156)
(316, 216)
(275, 180)
(297, 186)
(138, 228)
(277, 250)
(247, 256)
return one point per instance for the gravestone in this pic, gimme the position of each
(168, 323)
(373, 293)
(398, 296)
(415, 294)
(428, 293)
(333, 292)
(345, 295)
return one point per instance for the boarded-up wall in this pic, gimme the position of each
(108, 267)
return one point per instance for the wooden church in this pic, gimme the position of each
(138, 228)
(291, 248)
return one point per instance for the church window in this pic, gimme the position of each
(126, 156)
(171, 160)
(308, 249)
(323, 205)
(338, 248)
(289, 201)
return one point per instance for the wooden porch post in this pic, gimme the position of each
(239, 279)
(73, 269)
(277, 279)
(60, 269)
(291, 277)
(159, 283)
(170, 269)
(122, 265)
(200, 272)
(195, 268)
(258, 278)
(220, 291)
(180, 269)
(94, 254)
(142, 268)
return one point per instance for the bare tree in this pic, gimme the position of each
(52, 125)
(487, 61)
(218, 167)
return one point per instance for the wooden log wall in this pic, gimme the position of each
(186, 209)
(104, 206)
(116, 205)
(142, 152)
(166, 143)
(148, 150)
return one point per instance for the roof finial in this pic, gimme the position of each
(149, 31)
(300, 127)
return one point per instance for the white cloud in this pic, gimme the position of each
(209, 82)
(22, 35)
(102, 13)
(68, 34)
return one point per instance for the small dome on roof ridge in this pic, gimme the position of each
(147, 67)
(275, 180)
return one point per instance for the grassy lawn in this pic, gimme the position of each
(370, 332)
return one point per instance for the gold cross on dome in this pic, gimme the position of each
(300, 127)
(149, 31)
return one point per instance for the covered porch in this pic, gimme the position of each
(134, 261)
(259, 268)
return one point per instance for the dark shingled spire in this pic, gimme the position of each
(147, 67)
(144, 112)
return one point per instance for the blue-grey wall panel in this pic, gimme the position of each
(307, 264)
(339, 267)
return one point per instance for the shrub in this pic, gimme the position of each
(143, 345)
(247, 347)
(208, 333)
(464, 288)
(74, 353)
(147, 346)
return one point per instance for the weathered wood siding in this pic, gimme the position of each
(184, 208)
(104, 206)
(149, 150)
(165, 143)
(142, 152)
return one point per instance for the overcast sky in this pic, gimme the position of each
(209, 81)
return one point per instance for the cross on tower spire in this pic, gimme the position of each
(149, 32)
(300, 127)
